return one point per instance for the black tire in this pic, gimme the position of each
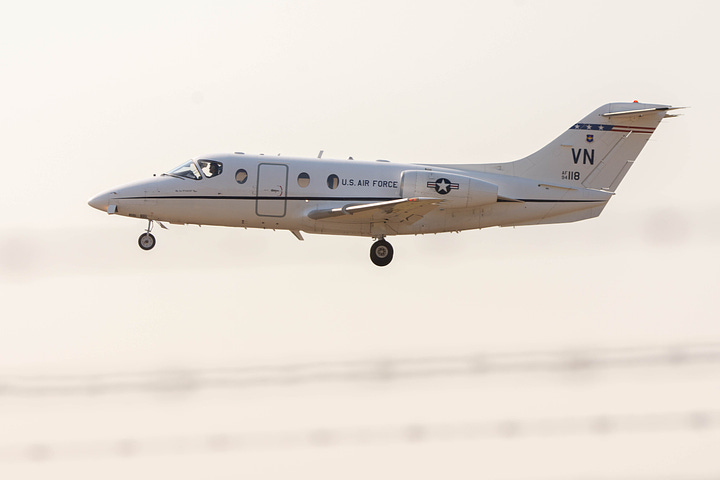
(146, 241)
(381, 253)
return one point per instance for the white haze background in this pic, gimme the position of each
(97, 94)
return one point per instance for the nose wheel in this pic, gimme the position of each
(381, 253)
(147, 239)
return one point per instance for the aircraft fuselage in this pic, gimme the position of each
(257, 191)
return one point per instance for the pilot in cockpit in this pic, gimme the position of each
(210, 169)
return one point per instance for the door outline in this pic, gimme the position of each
(273, 177)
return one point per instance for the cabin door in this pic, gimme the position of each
(271, 190)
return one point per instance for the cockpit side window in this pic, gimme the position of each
(186, 170)
(210, 168)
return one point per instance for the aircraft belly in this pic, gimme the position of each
(137, 207)
(242, 213)
(529, 213)
(215, 211)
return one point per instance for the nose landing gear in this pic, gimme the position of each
(381, 252)
(147, 240)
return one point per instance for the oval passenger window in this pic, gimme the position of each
(303, 180)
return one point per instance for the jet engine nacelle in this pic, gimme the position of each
(456, 191)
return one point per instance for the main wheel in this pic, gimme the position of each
(146, 241)
(381, 253)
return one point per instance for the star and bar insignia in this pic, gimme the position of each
(443, 186)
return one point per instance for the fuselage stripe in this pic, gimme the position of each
(255, 197)
(335, 199)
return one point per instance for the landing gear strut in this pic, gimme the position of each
(147, 240)
(381, 252)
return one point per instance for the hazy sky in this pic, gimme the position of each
(95, 95)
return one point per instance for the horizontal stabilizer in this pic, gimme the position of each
(393, 211)
(639, 112)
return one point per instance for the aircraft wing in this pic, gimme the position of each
(392, 211)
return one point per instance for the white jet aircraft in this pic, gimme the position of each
(570, 179)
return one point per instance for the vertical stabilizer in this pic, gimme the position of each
(597, 151)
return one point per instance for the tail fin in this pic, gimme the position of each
(597, 151)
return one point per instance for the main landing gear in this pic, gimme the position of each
(147, 240)
(381, 252)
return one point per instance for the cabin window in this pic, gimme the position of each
(186, 170)
(210, 168)
(303, 180)
(241, 176)
(333, 181)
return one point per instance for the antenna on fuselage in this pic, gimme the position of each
(320, 154)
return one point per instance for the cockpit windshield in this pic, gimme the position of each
(186, 170)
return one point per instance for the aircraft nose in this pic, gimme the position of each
(100, 201)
